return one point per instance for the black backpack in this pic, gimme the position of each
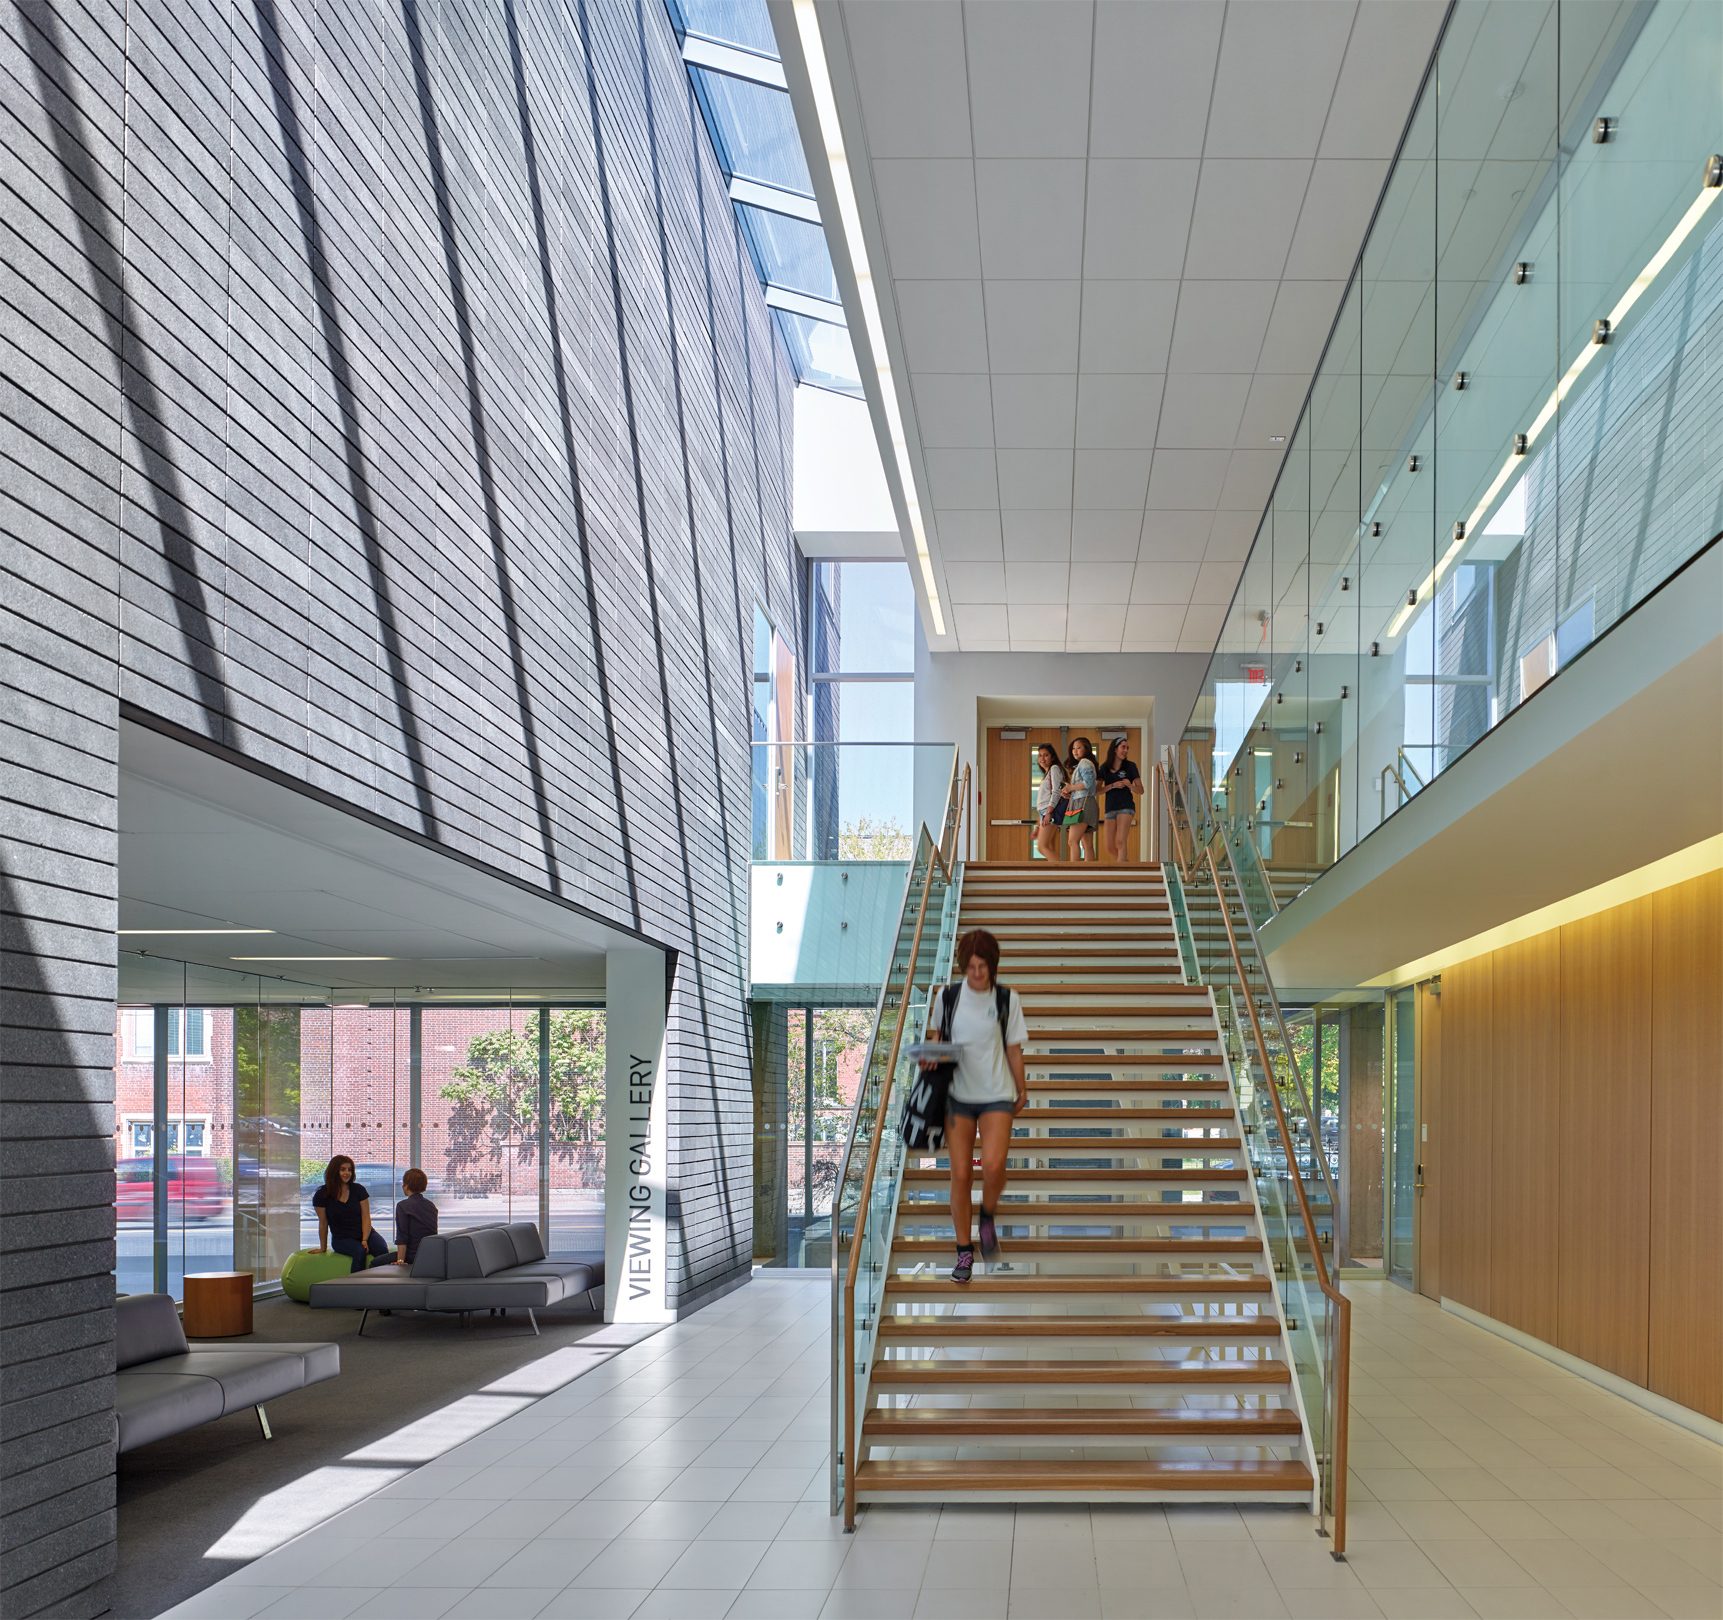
(923, 1119)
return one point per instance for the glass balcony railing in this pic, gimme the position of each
(1513, 434)
(846, 801)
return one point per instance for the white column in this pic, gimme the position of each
(636, 1136)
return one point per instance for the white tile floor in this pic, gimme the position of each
(686, 1478)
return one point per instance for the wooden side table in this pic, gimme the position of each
(217, 1304)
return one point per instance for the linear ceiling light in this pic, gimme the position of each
(155, 931)
(1654, 267)
(849, 222)
(311, 959)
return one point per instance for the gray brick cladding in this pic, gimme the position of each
(388, 402)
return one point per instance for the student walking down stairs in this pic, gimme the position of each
(1124, 1342)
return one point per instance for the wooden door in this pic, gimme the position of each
(1008, 809)
(1427, 1265)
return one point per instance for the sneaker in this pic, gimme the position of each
(965, 1266)
(989, 1237)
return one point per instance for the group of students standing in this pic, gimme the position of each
(1071, 796)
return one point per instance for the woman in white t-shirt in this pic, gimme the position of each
(1049, 803)
(988, 1091)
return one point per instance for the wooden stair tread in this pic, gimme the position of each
(924, 1422)
(1126, 1144)
(1100, 1247)
(1141, 1037)
(1100, 1176)
(1007, 1287)
(1135, 1082)
(1018, 1474)
(1122, 1060)
(1095, 1211)
(938, 1329)
(1184, 992)
(1123, 1115)
(916, 1371)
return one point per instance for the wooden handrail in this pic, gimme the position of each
(1339, 1382)
(847, 1317)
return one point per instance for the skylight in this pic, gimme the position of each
(732, 60)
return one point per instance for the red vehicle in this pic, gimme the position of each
(196, 1190)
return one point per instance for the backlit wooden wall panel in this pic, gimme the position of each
(1581, 1085)
(1467, 1125)
(1686, 1274)
(1525, 1158)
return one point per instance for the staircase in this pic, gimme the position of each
(1126, 1344)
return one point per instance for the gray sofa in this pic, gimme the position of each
(165, 1386)
(487, 1268)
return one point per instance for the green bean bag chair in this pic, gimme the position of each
(306, 1266)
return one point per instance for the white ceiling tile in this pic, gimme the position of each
(1216, 582)
(1245, 215)
(1032, 325)
(1118, 412)
(1164, 582)
(1101, 581)
(927, 211)
(1188, 480)
(1158, 623)
(1095, 627)
(1105, 536)
(1154, 69)
(1303, 316)
(943, 325)
(1137, 217)
(1231, 535)
(1279, 60)
(981, 623)
(908, 63)
(1202, 625)
(975, 582)
(1336, 210)
(1112, 477)
(1385, 58)
(1273, 406)
(1174, 536)
(1036, 478)
(1034, 412)
(1035, 641)
(1028, 77)
(1202, 410)
(962, 477)
(1037, 535)
(1128, 325)
(1031, 212)
(1037, 583)
(968, 536)
(1250, 479)
(1220, 325)
(953, 410)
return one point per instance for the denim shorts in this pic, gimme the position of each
(968, 1110)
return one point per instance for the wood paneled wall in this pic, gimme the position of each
(1582, 1118)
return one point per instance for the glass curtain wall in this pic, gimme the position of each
(1515, 434)
(233, 1090)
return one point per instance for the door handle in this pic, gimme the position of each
(1418, 1177)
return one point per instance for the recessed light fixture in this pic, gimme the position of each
(849, 222)
(1277, 438)
(1654, 267)
(160, 931)
(311, 959)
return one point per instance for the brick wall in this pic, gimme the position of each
(389, 403)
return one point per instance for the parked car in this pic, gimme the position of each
(196, 1190)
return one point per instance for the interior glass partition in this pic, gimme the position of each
(233, 1090)
(1515, 433)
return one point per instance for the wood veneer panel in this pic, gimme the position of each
(1604, 1134)
(1429, 1268)
(1468, 1014)
(1524, 1150)
(1686, 1271)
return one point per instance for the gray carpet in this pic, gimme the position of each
(180, 1497)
